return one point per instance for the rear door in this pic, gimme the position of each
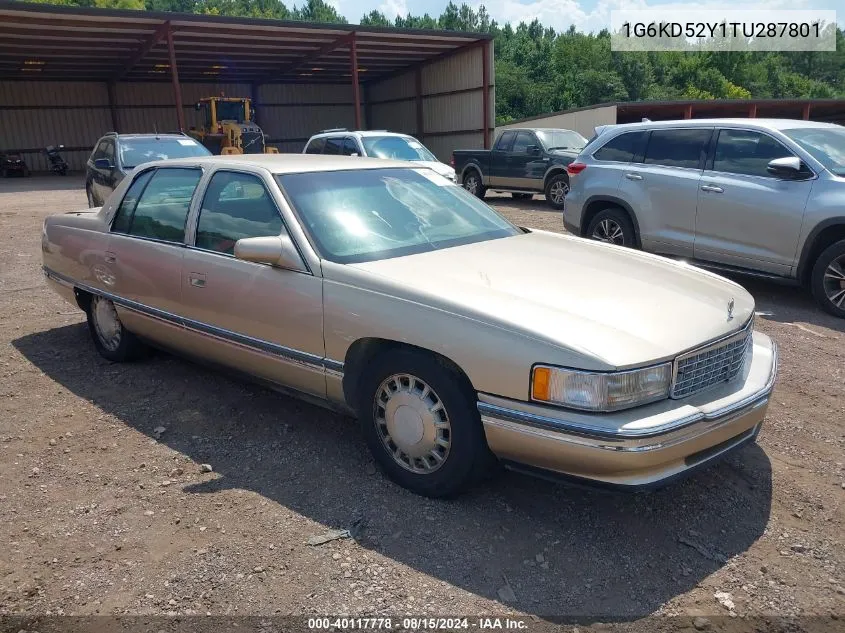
(146, 248)
(261, 319)
(499, 159)
(662, 188)
(747, 217)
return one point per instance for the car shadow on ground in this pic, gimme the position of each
(540, 547)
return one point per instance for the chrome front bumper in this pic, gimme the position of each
(641, 447)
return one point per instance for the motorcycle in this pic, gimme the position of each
(57, 163)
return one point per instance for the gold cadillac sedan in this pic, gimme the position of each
(384, 290)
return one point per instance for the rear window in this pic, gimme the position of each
(137, 151)
(623, 148)
(677, 148)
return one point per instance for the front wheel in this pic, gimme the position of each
(113, 341)
(472, 183)
(827, 280)
(556, 189)
(421, 423)
(612, 226)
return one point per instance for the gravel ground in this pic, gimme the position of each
(106, 513)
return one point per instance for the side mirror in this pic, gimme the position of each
(276, 251)
(533, 150)
(103, 163)
(789, 168)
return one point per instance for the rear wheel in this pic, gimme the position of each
(612, 225)
(472, 183)
(556, 189)
(827, 280)
(421, 423)
(113, 341)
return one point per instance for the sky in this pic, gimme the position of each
(586, 15)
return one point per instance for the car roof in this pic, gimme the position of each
(287, 163)
(765, 124)
(361, 133)
(163, 135)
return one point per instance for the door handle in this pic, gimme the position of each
(712, 188)
(633, 177)
(197, 280)
(110, 258)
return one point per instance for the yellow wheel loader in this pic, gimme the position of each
(229, 127)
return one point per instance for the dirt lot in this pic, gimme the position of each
(102, 515)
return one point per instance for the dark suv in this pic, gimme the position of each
(115, 155)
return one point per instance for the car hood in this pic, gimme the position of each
(440, 168)
(622, 307)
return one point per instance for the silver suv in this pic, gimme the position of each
(760, 196)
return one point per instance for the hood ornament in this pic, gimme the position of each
(731, 309)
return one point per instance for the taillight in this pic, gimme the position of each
(452, 161)
(575, 168)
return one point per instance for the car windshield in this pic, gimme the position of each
(231, 110)
(371, 214)
(137, 151)
(396, 147)
(825, 144)
(561, 139)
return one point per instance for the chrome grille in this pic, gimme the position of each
(707, 366)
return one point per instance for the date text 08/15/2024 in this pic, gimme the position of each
(418, 623)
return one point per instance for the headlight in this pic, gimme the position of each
(600, 391)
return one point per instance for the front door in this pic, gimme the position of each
(258, 318)
(526, 163)
(499, 159)
(746, 217)
(662, 188)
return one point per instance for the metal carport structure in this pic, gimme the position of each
(70, 74)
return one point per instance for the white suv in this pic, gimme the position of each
(376, 144)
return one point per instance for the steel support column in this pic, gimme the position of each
(110, 86)
(356, 86)
(419, 100)
(752, 112)
(688, 111)
(805, 112)
(174, 74)
(485, 94)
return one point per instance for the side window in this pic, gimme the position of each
(316, 146)
(505, 141)
(98, 151)
(623, 148)
(108, 151)
(123, 217)
(350, 147)
(163, 208)
(235, 206)
(746, 152)
(523, 140)
(677, 148)
(333, 146)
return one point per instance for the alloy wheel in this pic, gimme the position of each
(834, 282)
(471, 184)
(609, 231)
(558, 192)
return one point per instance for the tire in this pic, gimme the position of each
(464, 458)
(555, 186)
(614, 226)
(472, 183)
(522, 196)
(113, 341)
(827, 280)
(91, 203)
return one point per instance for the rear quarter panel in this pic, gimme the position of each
(74, 246)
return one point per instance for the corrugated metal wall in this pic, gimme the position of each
(582, 121)
(451, 103)
(75, 114)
